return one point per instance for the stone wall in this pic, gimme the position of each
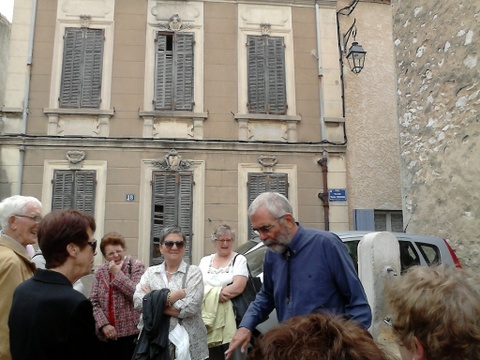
(5, 28)
(436, 46)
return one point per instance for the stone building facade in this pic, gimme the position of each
(149, 113)
(436, 50)
(5, 27)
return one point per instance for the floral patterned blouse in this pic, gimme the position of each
(190, 307)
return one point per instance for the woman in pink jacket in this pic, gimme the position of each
(112, 298)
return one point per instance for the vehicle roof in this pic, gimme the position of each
(348, 235)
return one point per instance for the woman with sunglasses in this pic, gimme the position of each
(184, 300)
(112, 298)
(225, 277)
(48, 318)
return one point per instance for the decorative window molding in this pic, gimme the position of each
(274, 21)
(177, 17)
(148, 166)
(82, 121)
(243, 171)
(100, 168)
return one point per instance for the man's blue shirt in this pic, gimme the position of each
(322, 279)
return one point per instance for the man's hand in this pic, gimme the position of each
(240, 338)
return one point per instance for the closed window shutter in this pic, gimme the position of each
(277, 97)
(85, 191)
(63, 189)
(74, 189)
(184, 72)
(266, 75)
(363, 219)
(172, 205)
(92, 69)
(256, 75)
(164, 72)
(262, 182)
(71, 71)
(174, 79)
(82, 68)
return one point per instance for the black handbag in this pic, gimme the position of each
(241, 302)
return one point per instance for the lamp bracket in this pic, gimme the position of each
(352, 31)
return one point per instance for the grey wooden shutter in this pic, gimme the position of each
(171, 205)
(74, 189)
(92, 68)
(174, 78)
(184, 72)
(266, 75)
(263, 182)
(164, 72)
(71, 71)
(256, 75)
(82, 68)
(277, 96)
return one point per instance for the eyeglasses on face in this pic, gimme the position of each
(169, 244)
(228, 241)
(93, 244)
(264, 229)
(36, 218)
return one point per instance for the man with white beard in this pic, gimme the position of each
(305, 271)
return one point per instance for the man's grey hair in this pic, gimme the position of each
(15, 205)
(222, 230)
(276, 204)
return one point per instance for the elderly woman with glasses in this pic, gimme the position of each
(112, 298)
(224, 276)
(181, 318)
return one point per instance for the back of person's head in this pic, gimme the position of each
(317, 336)
(112, 238)
(60, 228)
(15, 204)
(223, 229)
(276, 204)
(439, 307)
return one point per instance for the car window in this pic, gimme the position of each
(255, 260)
(408, 255)
(430, 252)
(352, 247)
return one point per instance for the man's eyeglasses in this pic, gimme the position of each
(228, 241)
(93, 244)
(35, 218)
(179, 244)
(264, 229)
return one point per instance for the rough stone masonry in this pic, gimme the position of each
(437, 45)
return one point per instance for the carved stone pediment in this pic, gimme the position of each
(172, 162)
(75, 156)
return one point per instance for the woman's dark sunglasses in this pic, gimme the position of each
(179, 244)
(93, 244)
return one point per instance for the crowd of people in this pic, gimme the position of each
(175, 310)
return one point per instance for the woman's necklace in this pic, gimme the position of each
(171, 273)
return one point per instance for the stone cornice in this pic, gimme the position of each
(80, 142)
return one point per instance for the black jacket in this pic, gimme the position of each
(49, 320)
(153, 343)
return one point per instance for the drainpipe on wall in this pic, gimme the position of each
(323, 162)
(21, 147)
